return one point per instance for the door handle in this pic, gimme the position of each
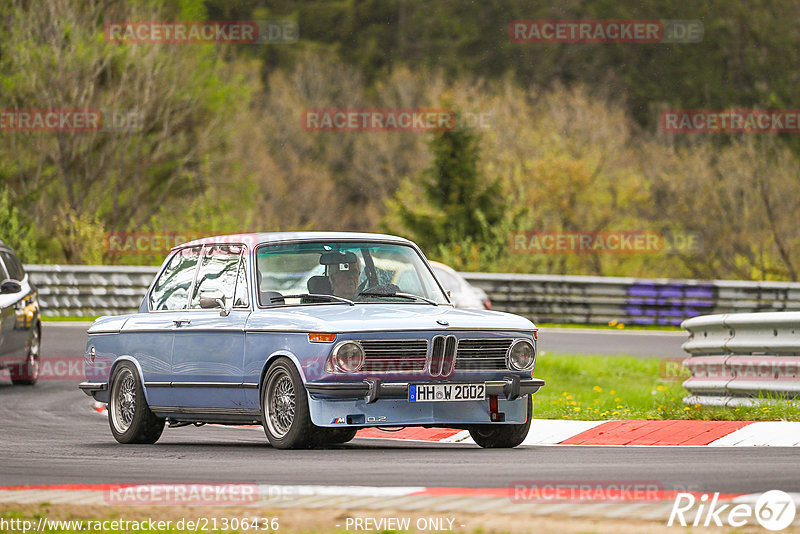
(179, 322)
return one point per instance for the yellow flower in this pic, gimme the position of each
(620, 406)
(598, 389)
(698, 405)
(686, 409)
(569, 397)
(612, 322)
(617, 399)
(612, 392)
(577, 409)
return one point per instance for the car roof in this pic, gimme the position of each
(443, 267)
(279, 237)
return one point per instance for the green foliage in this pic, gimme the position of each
(573, 145)
(456, 213)
(14, 231)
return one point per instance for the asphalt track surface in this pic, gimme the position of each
(50, 435)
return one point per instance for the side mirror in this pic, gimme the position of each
(10, 286)
(214, 299)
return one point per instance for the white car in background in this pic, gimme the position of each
(462, 293)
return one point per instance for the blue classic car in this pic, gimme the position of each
(313, 336)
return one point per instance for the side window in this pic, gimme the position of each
(171, 291)
(241, 296)
(218, 274)
(13, 266)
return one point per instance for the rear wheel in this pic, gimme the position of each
(501, 436)
(129, 416)
(27, 373)
(284, 408)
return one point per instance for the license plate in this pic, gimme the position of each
(446, 392)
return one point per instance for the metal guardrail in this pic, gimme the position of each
(737, 359)
(73, 290)
(599, 300)
(96, 290)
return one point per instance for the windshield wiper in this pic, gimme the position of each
(402, 295)
(316, 296)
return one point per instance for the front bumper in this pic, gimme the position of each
(372, 389)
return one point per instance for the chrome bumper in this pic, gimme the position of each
(511, 388)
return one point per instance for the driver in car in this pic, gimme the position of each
(344, 278)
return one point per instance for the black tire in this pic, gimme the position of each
(500, 436)
(129, 416)
(27, 373)
(337, 435)
(284, 408)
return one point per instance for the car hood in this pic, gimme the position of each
(341, 318)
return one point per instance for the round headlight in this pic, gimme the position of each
(348, 357)
(521, 355)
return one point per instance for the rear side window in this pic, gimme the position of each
(171, 291)
(13, 266)
(219, 277)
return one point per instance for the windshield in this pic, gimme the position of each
(302, 273)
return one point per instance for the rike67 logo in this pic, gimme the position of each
(774, 510)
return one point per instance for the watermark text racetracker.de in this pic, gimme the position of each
(605, 31)
(160, 243)
(730, 121)
(202, 32)
(66, 368)
(730, 367)
(605, 242)
(394, 120)
(522, 491)
(71, 120)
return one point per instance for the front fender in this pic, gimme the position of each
(274, 356)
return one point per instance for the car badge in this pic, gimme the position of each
(442, 322)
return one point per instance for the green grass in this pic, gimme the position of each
(624, 387)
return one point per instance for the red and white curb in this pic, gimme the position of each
(629, 433)
(668, 433)
(450, 501)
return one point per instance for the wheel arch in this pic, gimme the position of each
(135, 362)
(271, 358)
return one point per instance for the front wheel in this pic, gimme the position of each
(284, 408)
(337, 435)
(129, 416)
(501, 436)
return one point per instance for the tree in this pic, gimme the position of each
(76, 185)
(456, 209)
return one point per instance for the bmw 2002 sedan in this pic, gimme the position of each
(313, 336)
